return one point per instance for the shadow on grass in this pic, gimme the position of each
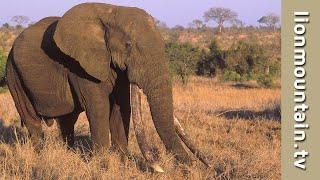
(12, 134)
(83, 143)
(251, 85)
(269, 114)
(245, 85)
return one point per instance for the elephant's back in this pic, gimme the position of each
(44, 79)
(27, 46)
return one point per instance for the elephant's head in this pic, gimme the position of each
(99, 36)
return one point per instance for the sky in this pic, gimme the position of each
(173, 12)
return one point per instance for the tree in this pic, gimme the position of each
(220, 16)
(20, 20)
(178, 27)
(197, 24)
(211, 61)
(237, 23)
(4, 38)
(6, 25)
(183, 59)
(160, 24)
(270, 20)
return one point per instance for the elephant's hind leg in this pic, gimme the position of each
(66, 124)
(24, 107)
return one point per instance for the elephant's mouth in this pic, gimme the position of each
(146, 150)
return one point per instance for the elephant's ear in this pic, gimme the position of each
(84, 40)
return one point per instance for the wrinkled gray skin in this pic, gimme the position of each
(85, 62)
(34, 53)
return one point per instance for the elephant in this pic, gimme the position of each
(39, 49)
(95, 59)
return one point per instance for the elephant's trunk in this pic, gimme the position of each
(156, 84)
(161, 107)
(146, 150)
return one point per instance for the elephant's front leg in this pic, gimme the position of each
(97, 108)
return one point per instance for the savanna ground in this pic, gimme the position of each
(238, 126)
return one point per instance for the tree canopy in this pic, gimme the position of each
(197, 23)
(270, 20)
(220, 16)
(183, 59)
(20, 20)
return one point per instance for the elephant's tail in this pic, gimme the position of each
(19, 95)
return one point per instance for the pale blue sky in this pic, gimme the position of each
(173, 12)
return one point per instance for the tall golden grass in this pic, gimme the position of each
(231, 124)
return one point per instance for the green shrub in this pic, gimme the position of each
(265, 81)
(251, 76)
(243, 58)
(211, 62)
(3, 59)
(275, 68)
(231, 76)
(183, 59)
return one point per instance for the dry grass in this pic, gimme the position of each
(242, 147)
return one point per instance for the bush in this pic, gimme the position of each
(251, 76)
(212, 61)
(275, 68)
(231, 76)
(183, 59)
(244, 58)
(3, 59)
(265, 81)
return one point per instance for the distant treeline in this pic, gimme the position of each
(237, 52)
(242, 61)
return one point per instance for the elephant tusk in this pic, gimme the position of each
(188, 142)
(136, 116)
(157, 168)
